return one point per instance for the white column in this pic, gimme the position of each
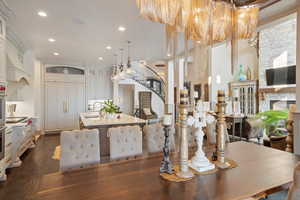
(116, 92)
(180, 78)
(170, 88)
(297, 115)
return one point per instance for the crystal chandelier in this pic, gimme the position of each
(204, 21)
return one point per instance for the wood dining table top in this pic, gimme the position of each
(259, 169)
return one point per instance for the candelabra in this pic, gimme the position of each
(221, 126)
(199, 162)
(184, 171)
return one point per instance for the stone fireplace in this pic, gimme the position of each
(276, 100)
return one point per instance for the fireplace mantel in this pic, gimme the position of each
(278, 90)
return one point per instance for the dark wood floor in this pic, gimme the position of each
(37, 162)
(25, 180)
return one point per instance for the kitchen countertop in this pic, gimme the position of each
(92, 119)
(19, 124)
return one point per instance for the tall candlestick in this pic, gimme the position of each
(221, 126)
(184, 148)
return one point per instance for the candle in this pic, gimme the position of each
(167, 120)
(291, 111)
(236, 93)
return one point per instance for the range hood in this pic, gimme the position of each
(15, 71)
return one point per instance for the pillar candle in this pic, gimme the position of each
(167, 120)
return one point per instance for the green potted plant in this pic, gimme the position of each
(274, 122)
(109, 109)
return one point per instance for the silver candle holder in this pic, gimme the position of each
(166, 165)
(184, 171)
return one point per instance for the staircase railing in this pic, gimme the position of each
(142, 73)
(146, 85)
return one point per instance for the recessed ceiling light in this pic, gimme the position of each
(42, 14)
(169, 55)
(122, 28)
(108, 48)
(56, 54)
(100, 58)
(51, 40)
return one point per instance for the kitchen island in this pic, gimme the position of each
(19, 136)
(92, 120)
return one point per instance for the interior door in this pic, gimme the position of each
(53, 106)
(64, 103)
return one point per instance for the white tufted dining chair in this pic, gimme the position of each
(155, 137)
(125, 141)
(79, 149)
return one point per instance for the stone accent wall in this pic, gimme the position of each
(277, 47)
(275, 42)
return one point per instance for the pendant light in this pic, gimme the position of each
(129, 69)
(121, 66)
(115, 73)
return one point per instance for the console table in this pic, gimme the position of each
(260, 170)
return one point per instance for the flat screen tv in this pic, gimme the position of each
(281, 76)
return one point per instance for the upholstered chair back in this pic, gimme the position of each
(125, 141)
(79, 149)
(294, 192)
(155, 137)
(211, 132)
(145, 99)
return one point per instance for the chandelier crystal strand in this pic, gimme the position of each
(162, 11)
(198, 25)
(222, 21)
(246, 20)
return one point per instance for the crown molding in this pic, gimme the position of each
(12, 37)
(7, 14)
(5, 11)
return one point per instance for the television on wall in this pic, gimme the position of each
(281, 76)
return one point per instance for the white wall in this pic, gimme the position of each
(248, 57)
(220, 69)
(98, 83)
(127, 100)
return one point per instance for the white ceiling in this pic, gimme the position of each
(83, 29)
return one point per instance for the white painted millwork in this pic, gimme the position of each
(2, 51)
(64, 101)
(18, 138)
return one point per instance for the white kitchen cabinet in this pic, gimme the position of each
(64, 102)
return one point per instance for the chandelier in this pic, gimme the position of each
(204, 21)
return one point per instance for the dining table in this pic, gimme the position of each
(260, 170)
(92, 120)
